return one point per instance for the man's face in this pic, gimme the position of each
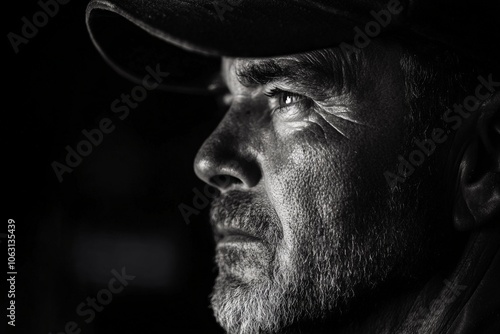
(306, 223)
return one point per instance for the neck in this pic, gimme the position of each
(436, 305)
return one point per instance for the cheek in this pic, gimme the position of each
(307, 183)
(316, 186)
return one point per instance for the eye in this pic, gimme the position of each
(283, 98)
(288, 106)
(286, 98)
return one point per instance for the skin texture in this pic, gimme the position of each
(304, 178)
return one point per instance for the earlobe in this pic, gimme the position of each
(477, 199)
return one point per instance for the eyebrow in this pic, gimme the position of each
(262, 72)
(319, 70)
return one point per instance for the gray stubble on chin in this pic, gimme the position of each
(248, 262)
(246, 302)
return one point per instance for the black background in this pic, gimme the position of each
(118, 208)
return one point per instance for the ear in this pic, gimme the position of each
(477, 200)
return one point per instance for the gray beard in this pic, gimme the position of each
(329, 267)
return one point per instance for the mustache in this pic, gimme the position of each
(246, 212)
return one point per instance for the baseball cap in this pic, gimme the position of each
(186, 38)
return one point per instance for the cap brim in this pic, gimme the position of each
(130, 35)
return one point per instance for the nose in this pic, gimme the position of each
(227, 159)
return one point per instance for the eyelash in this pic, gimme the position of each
(276, 91)
(273, 92)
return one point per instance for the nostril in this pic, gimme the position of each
(224, 181)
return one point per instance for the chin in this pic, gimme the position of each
(243, 307)
(254, 296)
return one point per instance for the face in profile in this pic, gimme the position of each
(306, 225)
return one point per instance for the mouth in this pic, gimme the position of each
(234, 236)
